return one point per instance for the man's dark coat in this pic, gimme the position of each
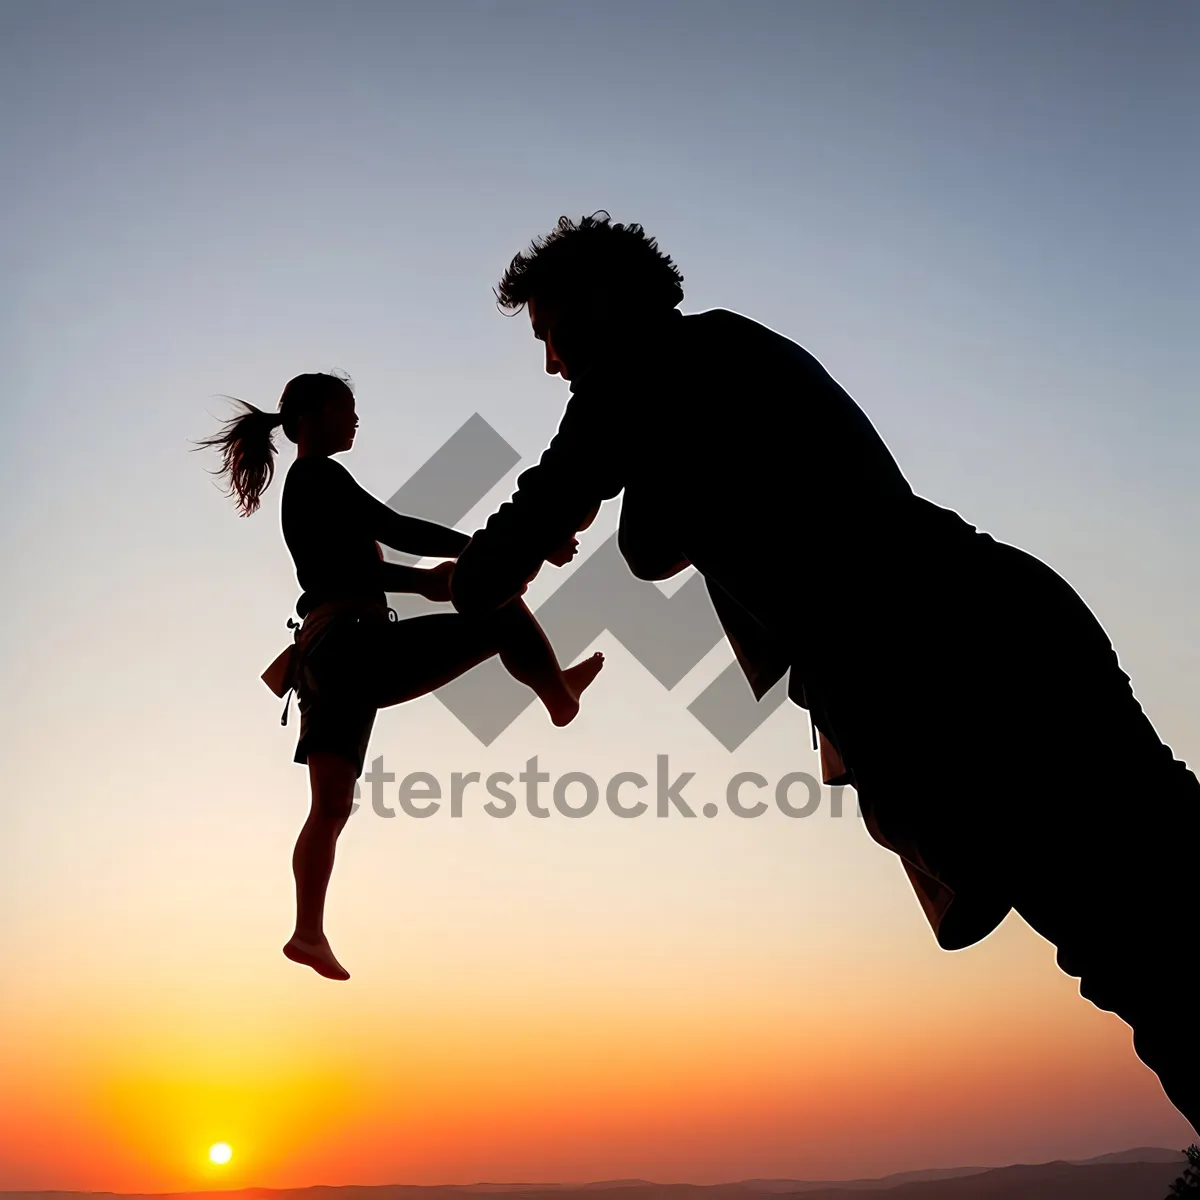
(737, 452)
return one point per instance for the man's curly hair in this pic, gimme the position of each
(577, 256)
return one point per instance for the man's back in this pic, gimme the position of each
(771, 404)
(760, 465)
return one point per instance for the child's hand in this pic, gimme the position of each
(564, 553)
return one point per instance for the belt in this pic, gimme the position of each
(284, 672)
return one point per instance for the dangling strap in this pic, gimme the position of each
(287, 704)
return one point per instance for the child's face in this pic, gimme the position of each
(338, 422)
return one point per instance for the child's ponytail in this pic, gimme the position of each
(247, 446)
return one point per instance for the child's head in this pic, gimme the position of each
(316, 411)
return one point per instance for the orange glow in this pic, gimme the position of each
(572, 1086)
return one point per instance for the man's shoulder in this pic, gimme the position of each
(718, 332)
(708, 315)
(725, 323)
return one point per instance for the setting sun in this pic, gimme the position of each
(220, 1153)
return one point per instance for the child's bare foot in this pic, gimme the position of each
(575, 681)
(315, 954)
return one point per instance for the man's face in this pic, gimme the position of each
(565, 338)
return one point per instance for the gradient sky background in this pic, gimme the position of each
(980, 217)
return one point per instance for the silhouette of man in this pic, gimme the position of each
(972, 698)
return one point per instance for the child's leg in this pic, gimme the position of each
(421, 654)
(528, 657)
(331, 780)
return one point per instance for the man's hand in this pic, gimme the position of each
(436, 582)
(564, 553)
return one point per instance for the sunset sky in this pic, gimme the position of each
(979, 217)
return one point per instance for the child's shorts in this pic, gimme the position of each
(333, 693)
(354, 662)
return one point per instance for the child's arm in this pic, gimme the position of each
(413, 535)
(426, 539)
(431, 582)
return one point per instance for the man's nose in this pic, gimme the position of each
(553, 366)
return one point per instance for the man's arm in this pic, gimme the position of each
(554, 498)
(643, 538)
(641, 565)
(567, 551)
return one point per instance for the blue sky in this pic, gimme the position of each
(979, 217)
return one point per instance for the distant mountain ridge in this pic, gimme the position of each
(1143, 1173)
